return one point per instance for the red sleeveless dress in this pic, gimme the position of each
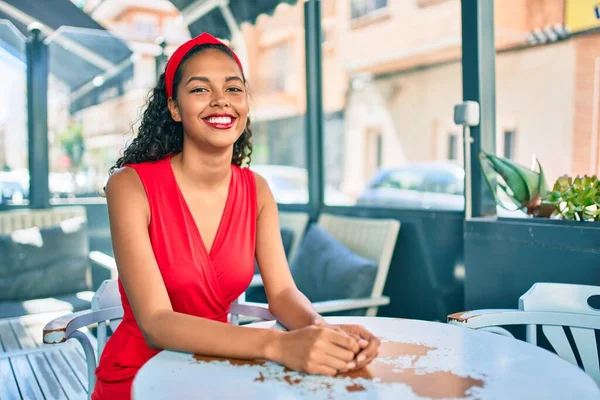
(198, 282)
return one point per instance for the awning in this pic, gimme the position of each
(212, 16)
(93, 63)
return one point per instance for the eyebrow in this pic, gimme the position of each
(206, 79)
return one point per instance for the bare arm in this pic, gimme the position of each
(162, 327)
(286, 302)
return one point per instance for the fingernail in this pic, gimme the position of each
(360, 358)
(351, 365)
(363, 342)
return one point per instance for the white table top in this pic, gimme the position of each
(417, 360)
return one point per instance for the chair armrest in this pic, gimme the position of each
(60, 329)
(486, 318)
(251, 309)
(350, 304)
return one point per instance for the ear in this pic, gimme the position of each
(174, 109)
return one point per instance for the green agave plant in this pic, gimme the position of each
(526, 188)
(576, 199)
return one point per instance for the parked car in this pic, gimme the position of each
(12, 190)
(431, 185)
(290, 185)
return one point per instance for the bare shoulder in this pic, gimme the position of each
(125, 191)
(123, 180)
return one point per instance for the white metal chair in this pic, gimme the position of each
(374, 239)
(107, 311)
(556, 307)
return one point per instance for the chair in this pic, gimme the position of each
(49, 247)
(373, 239)
(107, 311)
(558, 308)
(296, 221)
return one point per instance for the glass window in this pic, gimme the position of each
(275, 51)
(362, 8)
(509, 144)
(94, 95)
(14, 160)
(548, 86)
(452, 147)
(390, 139)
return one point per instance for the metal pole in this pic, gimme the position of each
(37, 118)
(479, 80)
(314, 106)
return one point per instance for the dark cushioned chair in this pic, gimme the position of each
(47, 269)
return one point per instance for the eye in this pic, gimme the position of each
(234, 89)
(198, 90)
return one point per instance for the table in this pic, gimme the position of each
(30, 369)
(417, 360)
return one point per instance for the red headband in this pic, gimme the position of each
(179, 54)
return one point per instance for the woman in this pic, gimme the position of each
(186, 223)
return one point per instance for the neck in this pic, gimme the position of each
(206, 170)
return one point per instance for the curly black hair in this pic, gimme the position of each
(159, 135)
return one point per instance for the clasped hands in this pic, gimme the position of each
(327, 349)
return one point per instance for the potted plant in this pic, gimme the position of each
(558, 243)
(570, 199)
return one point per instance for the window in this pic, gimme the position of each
(145, 26)
(83, 142)
(388, 105)
(452, 147)
(362, 8)
(373, 151)
(558, 124)
(280, 57)
(427, 3)
(275, 48)
(14, 160)
(509, 144)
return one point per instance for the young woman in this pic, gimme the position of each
(186, 223)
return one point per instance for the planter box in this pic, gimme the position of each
(504, 257)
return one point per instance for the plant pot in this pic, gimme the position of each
(505, 257)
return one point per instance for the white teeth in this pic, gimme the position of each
(219, 120)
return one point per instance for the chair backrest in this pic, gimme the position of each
(296, 221)
(106, 296)
(374, 239)
(569, 299)
(13, 220)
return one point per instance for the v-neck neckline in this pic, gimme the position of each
(188, 211)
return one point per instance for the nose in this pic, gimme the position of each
(219, 99)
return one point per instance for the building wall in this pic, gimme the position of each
(414, 111)
(586, 146)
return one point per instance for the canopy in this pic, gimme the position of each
(92, 62)
(207, 15)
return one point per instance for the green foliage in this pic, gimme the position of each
(576, 199)
(72, 141)
(524, 187)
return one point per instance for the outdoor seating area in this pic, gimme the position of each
(434, 165)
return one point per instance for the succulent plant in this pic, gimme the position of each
(524, 187)
(576, 199)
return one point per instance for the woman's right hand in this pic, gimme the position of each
(315, 349)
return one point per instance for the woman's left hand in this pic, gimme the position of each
(368, 343)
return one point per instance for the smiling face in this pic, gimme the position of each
(211, 100)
